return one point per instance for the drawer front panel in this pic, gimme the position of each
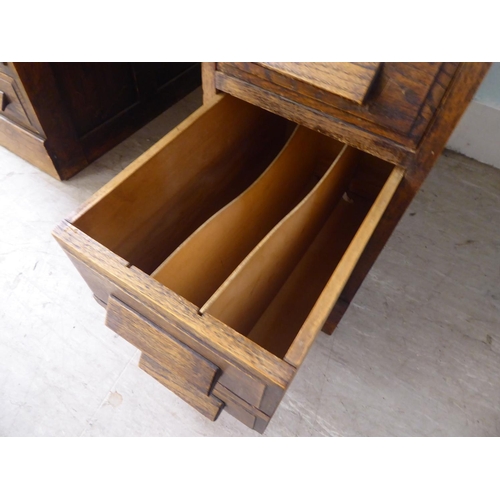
(249, 388)
(186, 366)
(250, 391)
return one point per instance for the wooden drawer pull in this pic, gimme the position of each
(346, 79)
(187, 368)
(3, 101)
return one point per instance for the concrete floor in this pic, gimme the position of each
(417, 354)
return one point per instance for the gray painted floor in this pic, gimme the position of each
(417, 354)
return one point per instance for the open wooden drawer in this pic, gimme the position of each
(221, 251)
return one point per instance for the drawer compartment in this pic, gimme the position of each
(272, 292)
(196, 170)
(221, 251)
(201, 264)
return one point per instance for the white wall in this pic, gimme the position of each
(478, 133)
(489, 91)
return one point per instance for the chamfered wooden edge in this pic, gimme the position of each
(319, 313)
(207, 330)
(208, 81)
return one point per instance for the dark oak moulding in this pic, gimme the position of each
(226, 248)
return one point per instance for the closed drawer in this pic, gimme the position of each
(385, 103)
(222, 250)
(10, 103)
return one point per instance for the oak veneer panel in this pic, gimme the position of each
(94, 93)
(349, 80)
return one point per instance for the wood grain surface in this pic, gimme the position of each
(396, 103)
(346, 79)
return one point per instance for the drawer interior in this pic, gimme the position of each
(256, 221)
(199, 266)
(198, 170)
(272, 292)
